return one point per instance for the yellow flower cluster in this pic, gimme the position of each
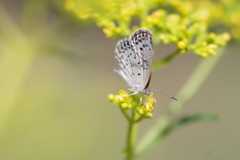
(147, 108)
(125, 101)
(187, 35)
(190, 25)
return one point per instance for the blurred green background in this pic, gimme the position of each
(56, 73)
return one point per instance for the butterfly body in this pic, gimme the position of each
(134, 56)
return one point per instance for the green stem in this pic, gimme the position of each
(159, 64)
(131, 137)
(125, 114)
(139, 119)
(154, 136)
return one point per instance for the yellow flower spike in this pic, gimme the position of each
(149, 19)
(124, 96)
(148, 115)
(110, 25)
(82, 11)
(122, 92)
(126, 12)
(204, 43)
(183, 28)
(226, 36)
(183, 51)
(175, 3)
(111, 97)
(203, 15)
(140, 111)
(119, 98)
(211, 52)
(83, 16)
(103, 22)
(204, 55)
(174, 38)
(181, 45)
(173, 18)
(118, 30)
(159, 13)
(96, 15)
(162, 37)
(147, 107)
(158, 1)
(129, 9)
(155, 21)
(108, 32)
(185, 21)
(109, 28)
(185, 40)
(152, 100)
(196, 26)
(130, 106)
(69, 5)
(124, 105)
(186, 7)
(212, 36)
(212, 46)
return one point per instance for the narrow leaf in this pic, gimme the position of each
(190, 119)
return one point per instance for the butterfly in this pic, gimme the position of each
(135, 56)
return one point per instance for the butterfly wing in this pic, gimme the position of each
(142, 41)
(134, 56)
(122, 53)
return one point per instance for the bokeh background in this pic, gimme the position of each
(56, 73)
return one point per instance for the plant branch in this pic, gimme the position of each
(160, 63)
(131, 137)
(154, 135)
(125, 114)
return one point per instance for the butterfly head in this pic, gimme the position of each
(147, 91)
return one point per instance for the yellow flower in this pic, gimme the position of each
(226, 36)
(181, 45)
(111, 97)
(125, 101)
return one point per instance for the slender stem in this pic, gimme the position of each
(160, 63)
(154, 135)
(139, 119)
(131, 137)
(125, 114)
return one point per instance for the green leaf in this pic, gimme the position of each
(190, 119)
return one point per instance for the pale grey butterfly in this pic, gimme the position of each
(134, 56)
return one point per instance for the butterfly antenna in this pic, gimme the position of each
(164, 94)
